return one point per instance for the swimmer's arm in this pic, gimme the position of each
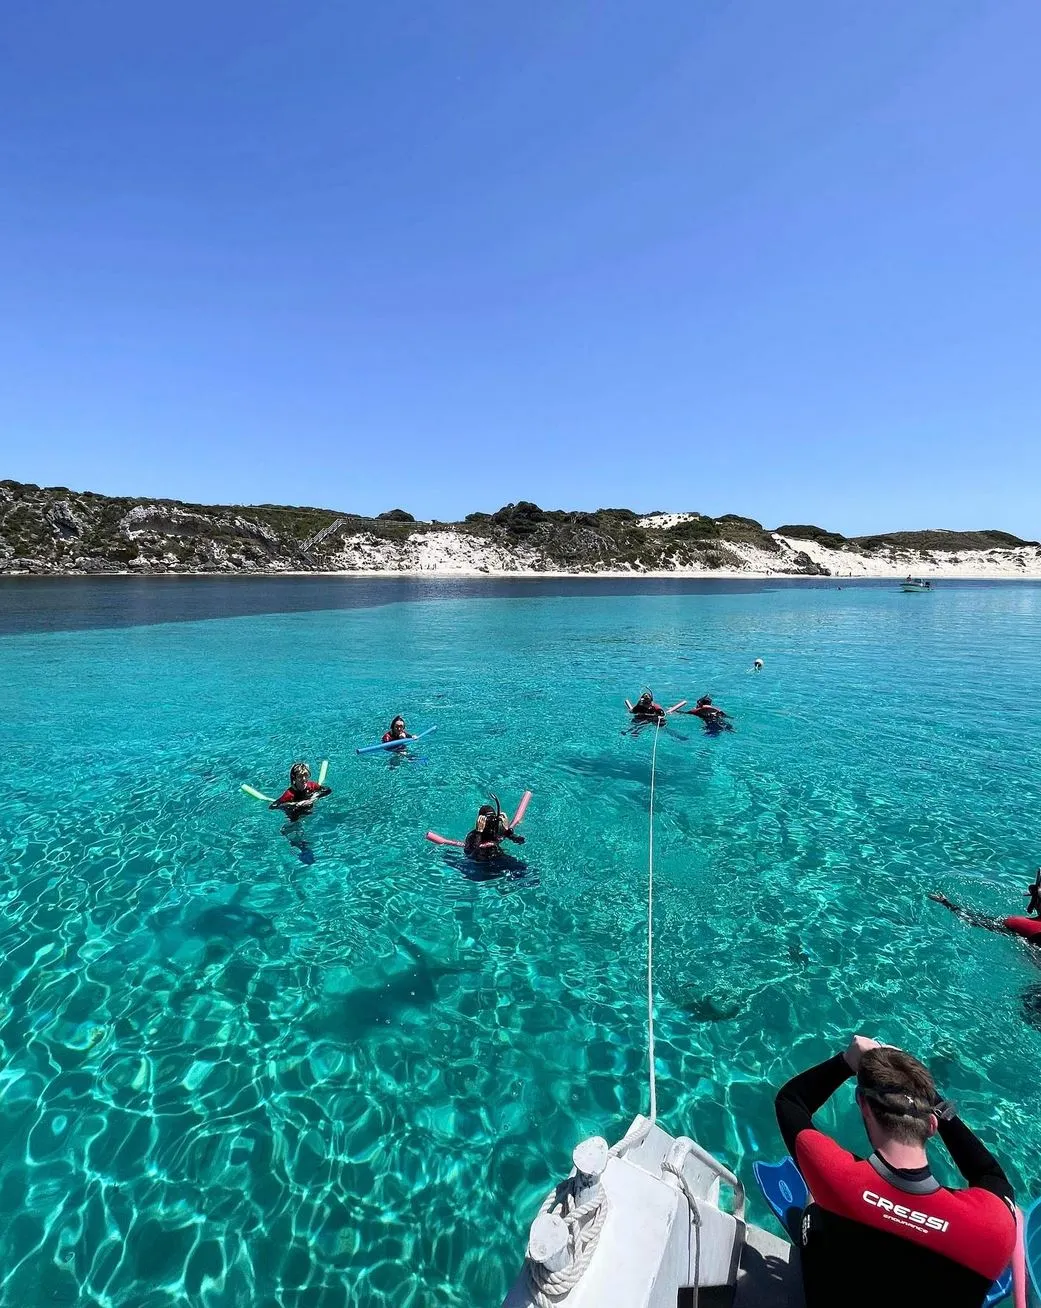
(971, 916)
(799, 1098)
(974, 1160)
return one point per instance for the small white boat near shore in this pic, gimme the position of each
(915, 585)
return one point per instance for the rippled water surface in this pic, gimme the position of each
(241, 1067)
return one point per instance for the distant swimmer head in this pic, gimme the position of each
(299, 776)
(398, 724)
(705, 701)
(758, 665)
(646, 698)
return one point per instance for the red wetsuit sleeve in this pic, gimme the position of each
(285, 797)
(972, 1228)
(386, 736)
(1027, 927)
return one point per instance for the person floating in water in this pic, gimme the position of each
(715, 719)
(298, 800)
(757, 666)
(490, 830)
(398, 731)
(887, 1217)
(646, 710)
(1028, 928)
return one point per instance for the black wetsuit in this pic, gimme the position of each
(879, 1235)
(484, 844)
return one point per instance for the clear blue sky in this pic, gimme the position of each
(780, 259)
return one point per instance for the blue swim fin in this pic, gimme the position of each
(785, 1191)
(1001, 1289)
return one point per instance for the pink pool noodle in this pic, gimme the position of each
(522, 808)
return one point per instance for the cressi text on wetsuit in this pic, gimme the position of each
(913, 1240)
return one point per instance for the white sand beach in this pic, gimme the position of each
(456, 554)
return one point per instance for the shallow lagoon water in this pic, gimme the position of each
(236, 1071)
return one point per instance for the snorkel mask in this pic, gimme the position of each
(898, 1103)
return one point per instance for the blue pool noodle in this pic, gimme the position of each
(395, 744)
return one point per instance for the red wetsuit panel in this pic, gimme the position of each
(291, 795)
(1027, 927)
(973, 1227)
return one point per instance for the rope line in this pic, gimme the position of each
(586, 1221)
(650, 931)
(633, 1137)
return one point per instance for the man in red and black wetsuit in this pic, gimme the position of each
(1028, 927)
(883, 1230)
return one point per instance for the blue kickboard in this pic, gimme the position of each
(395, 744)
(785, 1191)
(1032, 1245)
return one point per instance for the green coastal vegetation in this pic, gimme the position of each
(57, 530)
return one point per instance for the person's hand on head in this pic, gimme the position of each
(857, 1048)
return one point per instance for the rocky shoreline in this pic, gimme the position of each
(57, 532)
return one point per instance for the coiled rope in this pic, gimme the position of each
(584, 1223)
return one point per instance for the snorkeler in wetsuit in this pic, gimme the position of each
(715, 719)
(646, 710)
(1027, 928)
(882, 1229)
(397, 731)
(490, 830)
(298, 800)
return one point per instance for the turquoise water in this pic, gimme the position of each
(233, 1076)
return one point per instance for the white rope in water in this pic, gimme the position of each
(584, 1223)
(650, 932)
(633, 1137)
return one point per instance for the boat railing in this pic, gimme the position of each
(683, 1148)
